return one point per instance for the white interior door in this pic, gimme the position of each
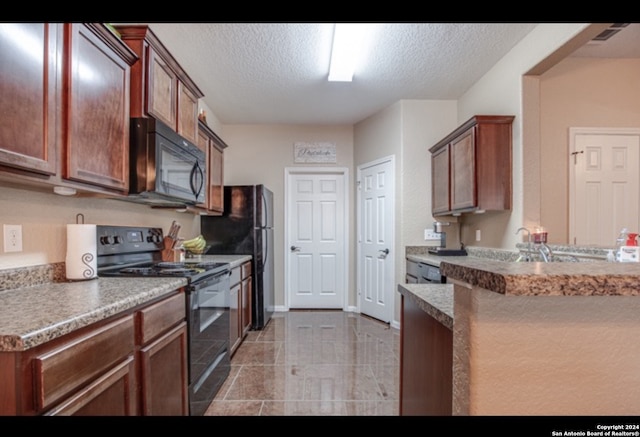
(316, 238)
(605, 192)
(376, 209)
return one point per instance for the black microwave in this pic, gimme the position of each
(165, 168)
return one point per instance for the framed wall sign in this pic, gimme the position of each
(314, 152)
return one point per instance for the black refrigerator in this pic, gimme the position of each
(246, 228)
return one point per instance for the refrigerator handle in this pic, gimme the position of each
(265, 251)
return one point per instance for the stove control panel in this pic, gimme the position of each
(128, 239)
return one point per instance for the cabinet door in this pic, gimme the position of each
(162, 90)
(426, 363)
(28, 73)
(163, 375)
(110, 395)
(68, 367)
(440, 180)
(97, 94)
(246, 306)
(463, 171)
(234, 318)
(188, 113)
(215, 192)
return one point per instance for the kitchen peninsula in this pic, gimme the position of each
(535, 338)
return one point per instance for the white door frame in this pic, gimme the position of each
(344, 173)
(392, 260)
(573, 133)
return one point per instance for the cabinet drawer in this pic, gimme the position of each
(413, 268)
(160, 316)
(70, 366)
(246, 270)
(235, 276)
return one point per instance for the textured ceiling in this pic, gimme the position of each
(277, 72)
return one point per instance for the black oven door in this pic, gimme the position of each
(209, 360)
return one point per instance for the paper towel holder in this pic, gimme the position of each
(80, 260)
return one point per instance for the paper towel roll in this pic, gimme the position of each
(81, 262)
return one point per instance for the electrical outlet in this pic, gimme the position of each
(12, 238)
(430, 235)
(478, 235)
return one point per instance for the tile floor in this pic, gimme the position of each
(314, 363)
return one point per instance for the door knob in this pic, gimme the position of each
(384, 253)
(295, 249)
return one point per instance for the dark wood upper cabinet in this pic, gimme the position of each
(97, 114)
(65, 106)
(160, 88)
(471, 167)
(214, 147)
(29, 90)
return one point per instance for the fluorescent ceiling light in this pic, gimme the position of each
(347, 41)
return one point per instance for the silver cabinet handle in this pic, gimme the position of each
(295, 249)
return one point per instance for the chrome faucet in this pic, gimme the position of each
(545, 252)
(527, 257)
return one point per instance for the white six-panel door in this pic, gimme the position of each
(605, 192)
(376, 209)
(316, 239)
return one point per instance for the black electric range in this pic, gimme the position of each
(125, 251)
(137, 252)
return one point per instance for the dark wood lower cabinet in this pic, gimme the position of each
(426, 363)
(134, 363)
(164, 375)
(112, 394)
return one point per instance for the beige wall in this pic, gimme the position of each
(500, 91)
(44, 217)
(579, 92)
(406, 130)
(259, 154)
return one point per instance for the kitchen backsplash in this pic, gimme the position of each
(33, 275)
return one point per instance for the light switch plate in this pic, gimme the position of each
(12, 238)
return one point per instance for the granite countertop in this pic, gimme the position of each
(496, 271)
(30, 316)
(434, 299)
(37, 304)
(233, 260)
(597, 278)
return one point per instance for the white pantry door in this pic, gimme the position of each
(316, 239)
(605, 192)
(376, 209)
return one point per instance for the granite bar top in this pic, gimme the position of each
(496, 270)
(598, 278)
(434, 299)
(38, 304)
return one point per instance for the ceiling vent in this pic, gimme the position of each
(608, 33)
